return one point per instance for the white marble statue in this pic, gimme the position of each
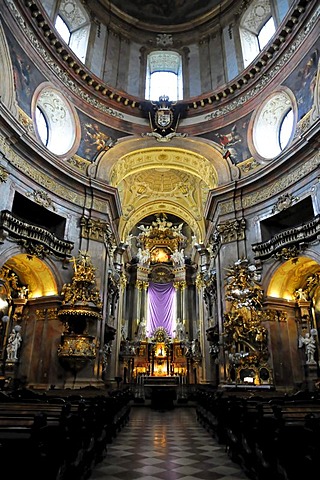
(180, 330)
(143, 256)
(14, 342)
(178, 257)
(309, 343)
(142, 330)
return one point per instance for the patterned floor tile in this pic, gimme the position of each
(165, 445)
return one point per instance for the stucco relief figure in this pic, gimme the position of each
(309, 343)
(195, 347)
(123, 334)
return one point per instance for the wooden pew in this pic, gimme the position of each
(276, 438)
(70, 439)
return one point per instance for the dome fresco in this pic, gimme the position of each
(168, 12)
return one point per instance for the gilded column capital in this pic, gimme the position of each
(180, 285)
(96, 229)
(200, 282)
(123, 281)
(141, 285)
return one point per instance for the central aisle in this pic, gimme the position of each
(165, 445)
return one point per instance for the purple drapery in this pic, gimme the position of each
(160, 307)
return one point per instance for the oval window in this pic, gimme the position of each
(56, 122)
(273, 125)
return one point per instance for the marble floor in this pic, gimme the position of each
(165, 445)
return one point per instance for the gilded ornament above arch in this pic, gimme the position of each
(176, 159)
(197, 227)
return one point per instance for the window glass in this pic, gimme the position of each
(63, 29)
(266, 33)
(257, 26)
(73, 25)
(273, 125)
(56, 122)
(163, 84)
(285, 129)
(42, 126)
(164, 75)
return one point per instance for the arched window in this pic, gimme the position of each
(257, 27)
(164, 75)
(73, 25)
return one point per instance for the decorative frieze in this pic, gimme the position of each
(264, 193)
(275, 315)
(79, 163)
(40, 178)
(43, 314)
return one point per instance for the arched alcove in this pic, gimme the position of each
(290, 276)
(34, 273)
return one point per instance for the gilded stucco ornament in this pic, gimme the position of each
(284, 201)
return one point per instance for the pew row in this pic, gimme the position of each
(60, 438)
(276, 438)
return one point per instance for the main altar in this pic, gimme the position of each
(161, 356)
(158, 366)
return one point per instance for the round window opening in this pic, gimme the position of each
(274, 125)
(55, 121)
